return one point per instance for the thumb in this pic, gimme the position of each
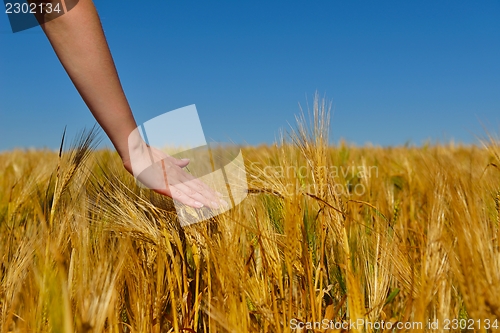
(181, 162)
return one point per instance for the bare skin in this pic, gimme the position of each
(79, 42)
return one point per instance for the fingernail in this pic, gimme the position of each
(224, 203)
(214, 204)
(198, 204)
(219, 194)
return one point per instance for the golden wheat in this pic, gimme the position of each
(412, 237)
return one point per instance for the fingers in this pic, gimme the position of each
(177, 193)
(201, 192)
(158, 155)
(180, 162)
(193, 193)
(167, 177)
(189, 190)
(187, 196)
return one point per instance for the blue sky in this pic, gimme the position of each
(395, 71)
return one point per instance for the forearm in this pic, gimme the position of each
(78, 40)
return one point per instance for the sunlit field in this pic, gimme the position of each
(330, 238)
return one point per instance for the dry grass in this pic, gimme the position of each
(83, 249)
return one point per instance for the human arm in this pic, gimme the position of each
(79, 42)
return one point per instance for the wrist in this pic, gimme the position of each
(135, 155)
(135, 146)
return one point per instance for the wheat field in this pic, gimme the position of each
(328, 235)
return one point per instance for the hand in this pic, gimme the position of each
(164, 174)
